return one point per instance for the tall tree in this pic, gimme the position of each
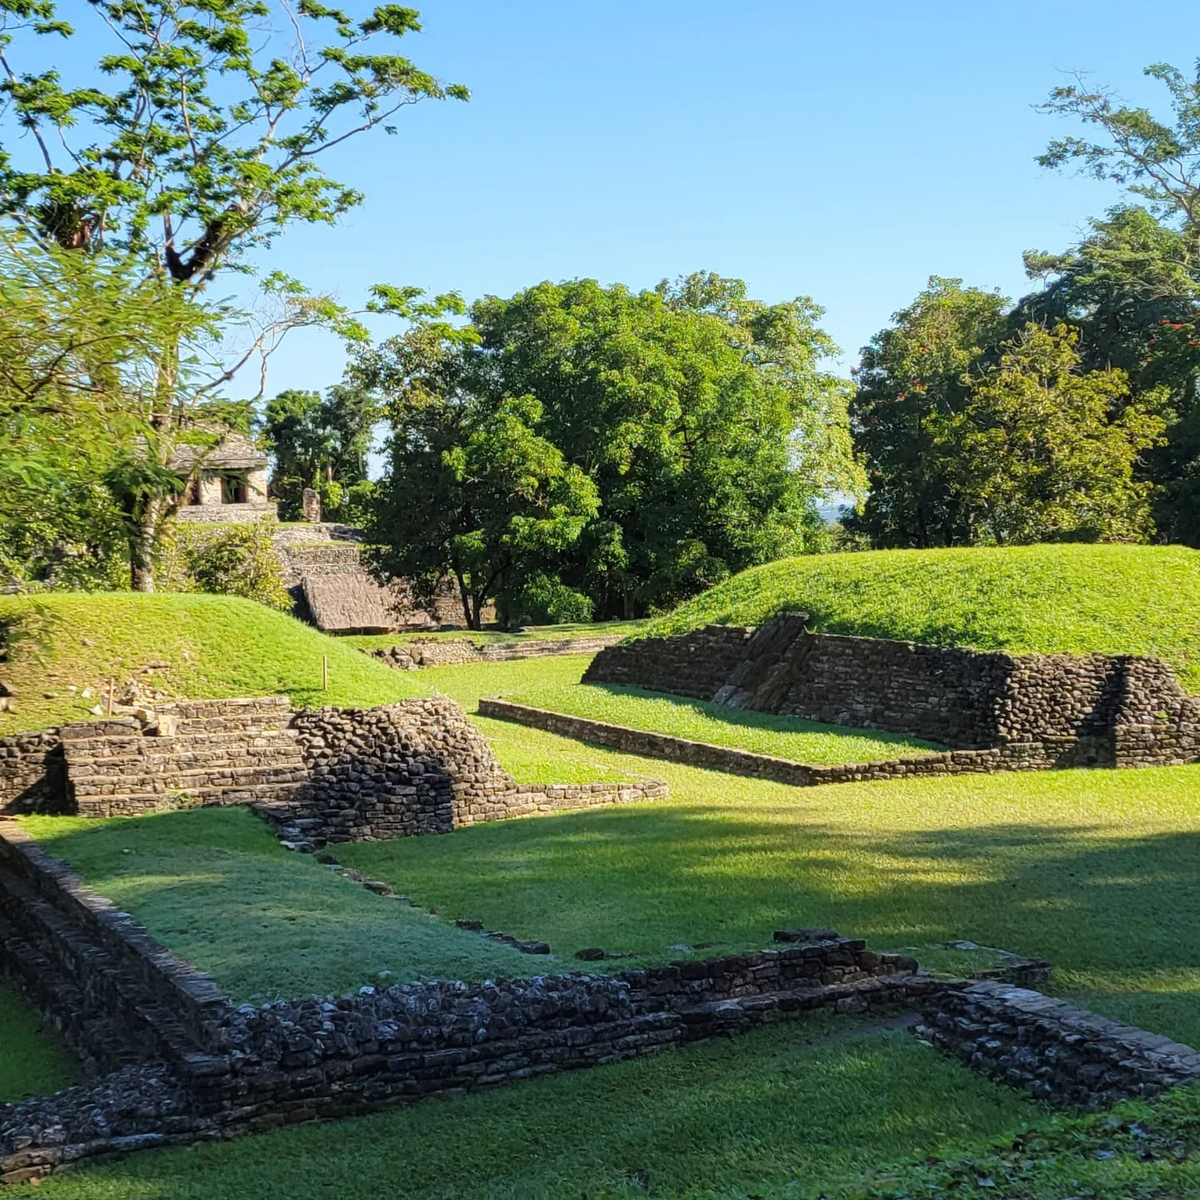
(913, 375)
(1046, 451)
(190, 142)
(322, 443)
(702, 417)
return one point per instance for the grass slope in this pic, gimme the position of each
(702, 721)
(214, 646)
(33, 1059)
(1028, 599)
(759, 1115)
(215, 885)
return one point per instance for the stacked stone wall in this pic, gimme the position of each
(695, 665)
(32, 773)
(1093, 710)
(1011, 756)
(413, 768)
(441, 652)
(1053, 1050)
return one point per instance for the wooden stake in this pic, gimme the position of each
(325, 671)
(111, 685)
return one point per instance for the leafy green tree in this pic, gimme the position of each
(1044, 451)
(188, 144)
(471, 491)
(239, 560)
(79, 343)
(320, 443)
(701, 416)
(913, 376)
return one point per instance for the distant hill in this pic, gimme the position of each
(1028, 599)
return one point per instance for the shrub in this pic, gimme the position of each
(543, 600)
(235, 560)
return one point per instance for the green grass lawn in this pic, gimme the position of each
(215, 886)
(214, 646)
(33, 1058)
(530, 633)
(703, 721)
(1028, 599)
(764, 1114)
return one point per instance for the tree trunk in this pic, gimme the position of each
(465, 597)
(143, 540)
(476, 611)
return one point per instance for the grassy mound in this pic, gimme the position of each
(194, 646)
(1028, 599)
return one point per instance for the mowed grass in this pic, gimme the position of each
(212, 647)
(1028, 599)
(766, 1114)
(33, 1058)
(216, 886)
(1096, 870)
(702, 721)
(529, 633)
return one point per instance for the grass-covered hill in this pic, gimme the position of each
(1028, 599)
(200, 646)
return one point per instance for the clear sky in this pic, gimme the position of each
(841, 150)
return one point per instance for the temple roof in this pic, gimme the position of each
(234, 452)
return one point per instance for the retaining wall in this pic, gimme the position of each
(1116, 710)
(32, 774)
(1013, 756)
(1052, 1049)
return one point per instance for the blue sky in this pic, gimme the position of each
(844, 151)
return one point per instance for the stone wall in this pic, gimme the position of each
(115, 993)
(1012, 756)
(32, 775)
(441, 652)
(299, 1060)
(1053, 1050)
(1095, 709)
(416, 767)
(695, 665)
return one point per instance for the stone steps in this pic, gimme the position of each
(219, 752)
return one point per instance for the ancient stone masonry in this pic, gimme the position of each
(413, 768)
(207, 752)
(328, 1057)
(1090, 710)
(1053, 1050)
(441, 652)
(1017, 756)
(32, 773)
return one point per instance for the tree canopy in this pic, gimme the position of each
(702, 420)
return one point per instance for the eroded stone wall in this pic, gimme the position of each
(1053, 1050)
(32, 775)
(695, 665)
(441, 652)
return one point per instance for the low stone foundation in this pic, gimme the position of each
(442, 652)
(32, 773)
(1036, 756)
(1051, 1049)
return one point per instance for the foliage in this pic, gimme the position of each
(321, 443)
(473, 491)
(543, 600)
(187, 143)
(1075, 599)
(233, 560)
(717, 724)
(700, 417)
(914, 375)
(214, 647)
(1044, 452)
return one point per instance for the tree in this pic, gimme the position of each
(320, 443)
(911, 376)
(79, 342)
(471, 491)
(1123, 287)
(1044, 451)
(202, 146)
(701, 416)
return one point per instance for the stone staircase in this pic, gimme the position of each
(203, 752)
(763, 677)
